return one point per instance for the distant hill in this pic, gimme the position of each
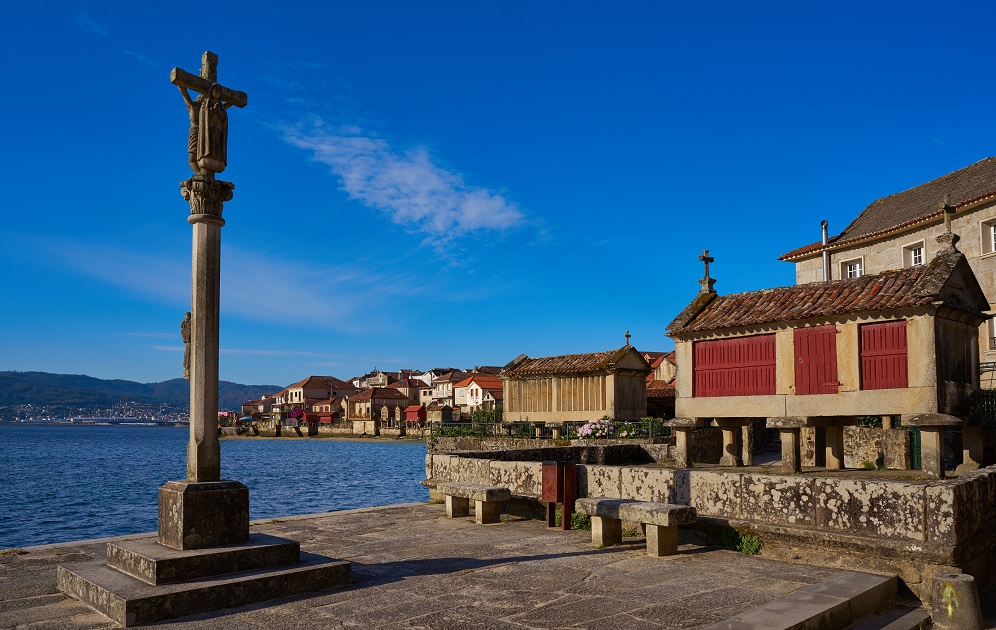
(77, 390)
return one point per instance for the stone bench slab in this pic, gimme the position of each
(662, 514)
(473, 491)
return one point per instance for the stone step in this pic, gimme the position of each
(834, 603)
(147, 560)
(897, 618)
(129, 601)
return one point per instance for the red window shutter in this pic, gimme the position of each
(884, 362)
(742, 366)
(816, 360)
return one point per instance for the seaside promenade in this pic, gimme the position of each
(414, 568)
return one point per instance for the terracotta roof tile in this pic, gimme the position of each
(916, 205)
(567, 363)
(913, 286)
(379, 393)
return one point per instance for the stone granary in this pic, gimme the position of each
(576, 387)
(821, 354)
(899, 231)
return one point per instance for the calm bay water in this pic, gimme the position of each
(63, 483)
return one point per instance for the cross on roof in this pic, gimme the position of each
(627, 337)
(948, 240)
(706, 281)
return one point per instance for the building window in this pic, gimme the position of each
(851, 268)
(989, 237)
(913, 255)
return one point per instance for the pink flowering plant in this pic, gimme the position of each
(595, 429)
(297, 413)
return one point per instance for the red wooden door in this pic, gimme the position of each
(884, 356)
(816, 360)
(742, 366)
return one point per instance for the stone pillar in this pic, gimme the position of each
(747, 444)
(791, 450)
(932, 451)
(731, 443)
(971, 444)
(556, 432)
(662, 540)
(834, 446)
(605, 532)
(206, 196)
(457, 507)
(955, 602)
(682, 457)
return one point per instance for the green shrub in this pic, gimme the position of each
(578, 521)
(744, 542)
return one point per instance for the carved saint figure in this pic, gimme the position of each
(207, 139)
(185, 334)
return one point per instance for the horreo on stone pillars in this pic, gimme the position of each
(204, 510)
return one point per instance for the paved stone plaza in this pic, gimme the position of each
(414, 568)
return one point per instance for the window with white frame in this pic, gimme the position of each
(851, 268)
(989, 236)
(913, 255)
(990, 335)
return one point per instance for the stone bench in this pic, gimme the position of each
(487, 500)
(660, 519)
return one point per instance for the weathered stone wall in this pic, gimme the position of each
(910, 528)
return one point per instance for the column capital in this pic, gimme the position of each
(206, 195)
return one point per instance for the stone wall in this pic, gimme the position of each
(912, 529)
(706, 445)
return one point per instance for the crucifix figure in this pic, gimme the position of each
(207, 140)
(948, 239)
(706, 281)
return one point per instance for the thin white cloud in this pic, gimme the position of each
(155, 335)
(407, 185)
(143, 59)
(88, 23)
(254, 285)
(168, 348)
(256, 352)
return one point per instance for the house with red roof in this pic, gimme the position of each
(899, 231)
(472, 391)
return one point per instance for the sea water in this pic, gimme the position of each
(64, 483)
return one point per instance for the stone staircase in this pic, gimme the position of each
(851, 600)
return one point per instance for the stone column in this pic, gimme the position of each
(747, 444)
(682, 458)
(791, 450)
(835, 446)
(731, 442)
(932, 450)
(206, 196)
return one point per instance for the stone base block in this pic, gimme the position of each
(198, 515)
(605, 532)
(486, 512)
(129, 602)
(661, 540)
(457, 507)
(152, 563)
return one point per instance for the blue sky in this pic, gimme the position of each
(424, 184)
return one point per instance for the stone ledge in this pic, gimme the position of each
(129, 602)
(152, 563)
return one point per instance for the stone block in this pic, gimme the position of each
(661, 541)
(519, 477)
(473, 491)
(486, 512)
(457, 507)
(605, 532)
(196, 515)
(887, 509)
(599, 481)
(651, 484)
(470, 470)
(147, 560)
(716, 493)
(785, 500)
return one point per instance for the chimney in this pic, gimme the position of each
(826, 262)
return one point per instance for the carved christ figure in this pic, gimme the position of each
(185, 335)
(207, 140)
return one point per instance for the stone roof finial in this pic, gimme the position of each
(947, 239)
(707, 282)
(627, 337)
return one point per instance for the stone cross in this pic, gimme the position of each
(706, 281)
(208, 155)
(627, 337)
(207, 140)
(948, 239)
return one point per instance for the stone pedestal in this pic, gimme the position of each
(955, 602)
(731, 442)
(196, 515)
(971, 453)
(457, 507)
(747, 444)
(932, 451)
(605, 532)
(661, 540)
(682, 428)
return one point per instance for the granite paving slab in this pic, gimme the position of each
(414, 568)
